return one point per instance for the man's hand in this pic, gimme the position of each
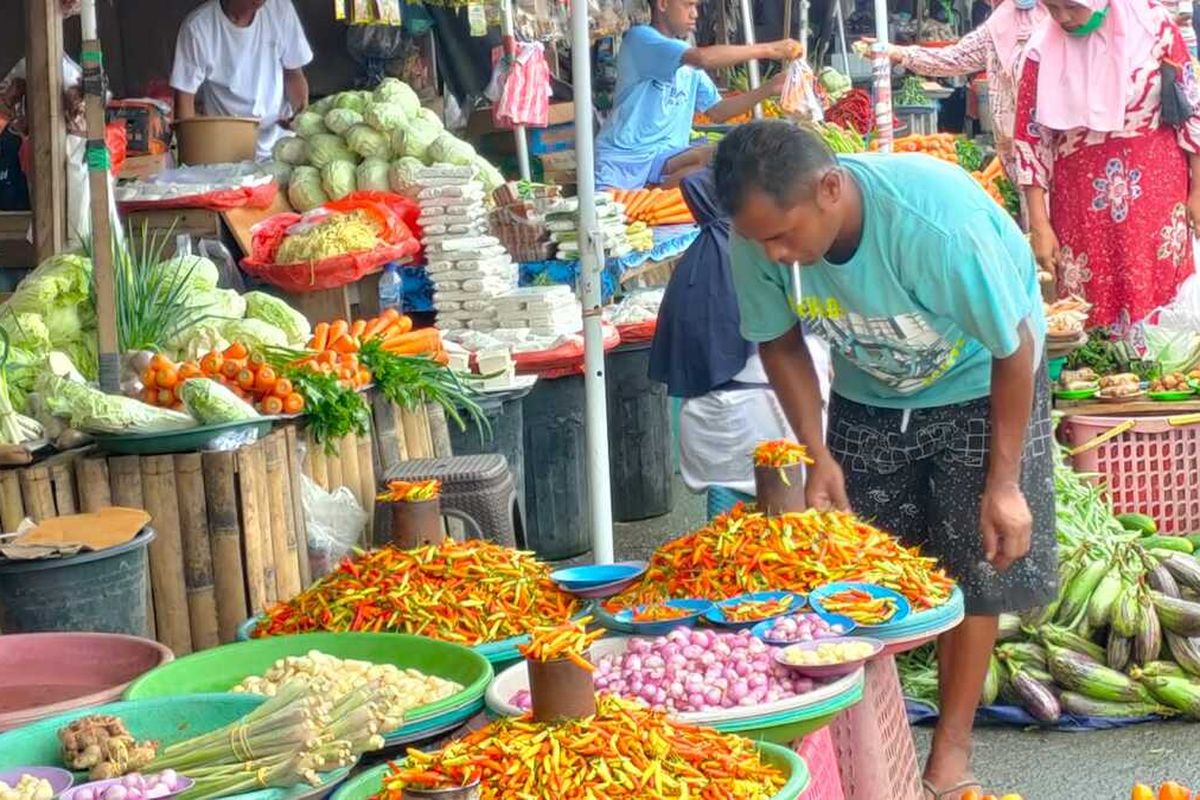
(1006, 525)
(775, 84)
(825, 486)
(785, 50)
(894, 54)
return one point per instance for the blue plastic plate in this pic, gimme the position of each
(922, 622)
(623, 622)
(593, 575)
(903, 607)
(759, 631)
(716, 614)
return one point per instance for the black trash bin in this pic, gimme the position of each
(557, 523)
(505, 413)
(639, 436)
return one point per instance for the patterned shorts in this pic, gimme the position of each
(925, 483)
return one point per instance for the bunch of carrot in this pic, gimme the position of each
(938, 145)
(393, 329)
(246, 375)
(988, 179)
(570, 640)
(410, 492)
(1167, 791)
(655, 206)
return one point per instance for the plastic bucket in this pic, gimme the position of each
(216, 140)
(557, 524)
(103, 591)
(639, 436)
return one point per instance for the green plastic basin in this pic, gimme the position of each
(166, 720)
(222, 668)
(367, 784)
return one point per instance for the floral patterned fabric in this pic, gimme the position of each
(1117, 200)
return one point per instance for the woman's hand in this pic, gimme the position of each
(1045, 246)
(825, 485)
(1193, 207)
(895, 54)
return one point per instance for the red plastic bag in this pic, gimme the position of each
(564, 360)
(114, 139)
(407, 210)
(261, 196)
(637, 332)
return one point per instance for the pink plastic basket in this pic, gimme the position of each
(1151, 468)
(875, 751)
(819, 754)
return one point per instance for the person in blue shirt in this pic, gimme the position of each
(939, 426)
(661, 84)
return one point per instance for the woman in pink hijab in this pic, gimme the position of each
(1122, 186)
(997, 46)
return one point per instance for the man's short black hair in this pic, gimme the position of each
(777, 158)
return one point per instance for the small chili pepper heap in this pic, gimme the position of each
(861, 606)
(780, 453)
(464, 592)
(743, 551)
(410, 492)
(570, 640)
(658, 612)
(625, 751)
(755, 610)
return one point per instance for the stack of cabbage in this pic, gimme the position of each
(370, 141)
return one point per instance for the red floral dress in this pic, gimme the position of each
(1118, 201)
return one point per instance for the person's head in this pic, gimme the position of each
(782, 188)
(677, 18)
(238, 8)
(1072, 15)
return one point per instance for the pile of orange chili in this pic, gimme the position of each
(625, 751)
(745, 551)
(571, 640)
(464, 592)
(780, 453)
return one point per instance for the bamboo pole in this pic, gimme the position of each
(197, 551)
(389, 441)
(250, 467)
(294, 493)
(125, 475)
(333, 466)
(366, 475)
(12, 507)
(439, 430)
(91, 476)
(348, 456)
(62, 479)
(416, 433)
(225, 542)
(283, 534)
(43, 97)
(38, 493)
(161, 500)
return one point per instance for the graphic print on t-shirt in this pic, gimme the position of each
(902, 351)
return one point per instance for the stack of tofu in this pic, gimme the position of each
(562, 220)
(546, 312)
(467, 265)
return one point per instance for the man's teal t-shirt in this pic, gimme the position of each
(939, 285)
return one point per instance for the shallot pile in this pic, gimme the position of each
(694, 670)
(801, 628)
(135, 786)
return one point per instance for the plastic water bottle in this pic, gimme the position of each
(391, 288)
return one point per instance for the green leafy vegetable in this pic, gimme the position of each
(340, 120)
(92, 411)
(333, 411)
(372, 175)
(338, 179)
(214, 404)
(410, 381)
(305, 191)
(309, 123)
(368, 142)
(970, 157)
(385, 117)
(290, 150)
(397, 92)
(272, 310)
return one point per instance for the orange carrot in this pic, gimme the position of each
(373, 328)
(320, 337)
(426, 340)
(357, 328)
(344, 344)
(337, 329)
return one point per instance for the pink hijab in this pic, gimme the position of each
(1010, 28)
(1084, 82)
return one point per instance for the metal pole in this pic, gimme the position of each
(755, 77)
(881, 71)
(841, 31)
(804, 26)
(95, 90)
(591, 258)
(510, 48)
(787, 19)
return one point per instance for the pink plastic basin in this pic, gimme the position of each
(44, 674)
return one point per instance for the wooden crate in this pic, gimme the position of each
(230, 531)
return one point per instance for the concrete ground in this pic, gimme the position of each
(1039, 765)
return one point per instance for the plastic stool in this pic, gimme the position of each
(825, 783)
(875, 751)
(478, 487)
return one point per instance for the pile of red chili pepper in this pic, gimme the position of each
(410, 492)
(780, 453)
(744, 551)
(861, 606)
(755, 610)
(854, 110)
(569, 640)
(658, 612)
(464, 592)
(625, 751)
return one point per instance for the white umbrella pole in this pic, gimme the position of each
(755, 77)
(510, 47)
(881, 69)
(591, 262)
(98, 184)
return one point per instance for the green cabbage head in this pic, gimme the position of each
(338, 179)
(305, 191)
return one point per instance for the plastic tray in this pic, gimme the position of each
(903, 608)
(621, 622)
(201, 437)
(60, 780)
(753, 722)
(367, 785)
(716, 614)
(166, 720)
(920, 623)
(221, 668)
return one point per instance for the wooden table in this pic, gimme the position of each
(1091, 408)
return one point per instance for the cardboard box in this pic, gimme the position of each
(137, 167)
(557, 136)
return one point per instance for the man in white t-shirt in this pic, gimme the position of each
(242, 58)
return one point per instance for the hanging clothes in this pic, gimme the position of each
(520, 87)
